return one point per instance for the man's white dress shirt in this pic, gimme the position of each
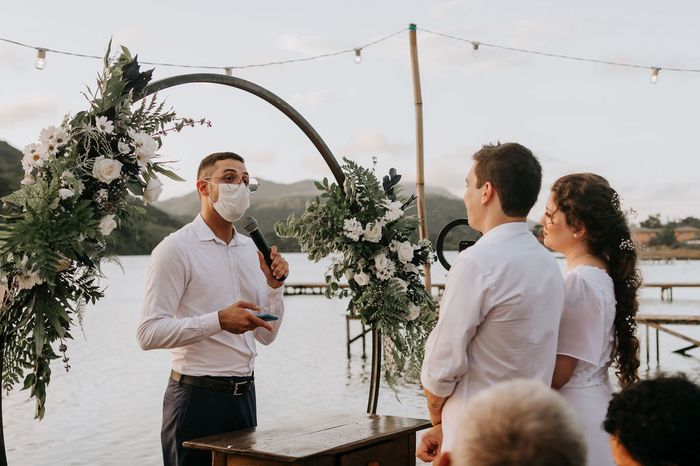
(192, 275)
(499, 320)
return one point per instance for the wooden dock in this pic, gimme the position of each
(658, 322)
(667, 288)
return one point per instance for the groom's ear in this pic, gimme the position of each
(488, 194)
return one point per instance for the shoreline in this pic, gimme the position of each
(666, 253)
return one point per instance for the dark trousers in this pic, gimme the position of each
(191, 412)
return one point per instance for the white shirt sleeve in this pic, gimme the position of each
(274, 305)
(461, 311)
(582, 328)
(165, 286)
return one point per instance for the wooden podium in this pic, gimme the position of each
(341, 440)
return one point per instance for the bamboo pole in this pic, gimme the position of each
(420, 183)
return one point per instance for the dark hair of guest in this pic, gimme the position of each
(657, 421)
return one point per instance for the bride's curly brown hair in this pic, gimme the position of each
(588, 201)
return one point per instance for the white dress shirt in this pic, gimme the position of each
(499, 320)
(192, 275)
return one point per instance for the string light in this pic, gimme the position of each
(475, 47)
(358, 56)
(654, 74)
(559, 56)
(220, 67)
(40, 63)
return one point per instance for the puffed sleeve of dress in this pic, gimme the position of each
(582, 332)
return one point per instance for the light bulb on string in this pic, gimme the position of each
(654, 75)
(40, 63)
(475, 47)
(358, 56)
(228, 71)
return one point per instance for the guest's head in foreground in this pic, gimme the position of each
(583, 218)
(655, 422)
(502, 185)
(518, 423)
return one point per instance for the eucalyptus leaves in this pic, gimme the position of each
(78, 186)
(365, 228)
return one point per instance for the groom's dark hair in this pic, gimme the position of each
(515, 174)
(211, 159)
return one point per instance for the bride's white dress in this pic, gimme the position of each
(586, 333)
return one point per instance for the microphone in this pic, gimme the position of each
(250, 225)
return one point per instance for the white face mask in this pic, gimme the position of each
(233, 201)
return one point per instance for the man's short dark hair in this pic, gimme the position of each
(657, 421)
(515, 174)
(211, 159)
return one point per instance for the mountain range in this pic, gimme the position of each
(272, 203)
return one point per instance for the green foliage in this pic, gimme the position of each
(365, 229)
(56, 226)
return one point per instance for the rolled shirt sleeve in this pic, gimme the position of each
(165, 286)
(461, 312)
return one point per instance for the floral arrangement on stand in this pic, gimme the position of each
(79, 184)
(364, 227)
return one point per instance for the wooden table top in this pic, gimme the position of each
(305, 438)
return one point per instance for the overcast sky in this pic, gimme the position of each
(575, 116)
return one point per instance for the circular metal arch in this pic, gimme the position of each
(264, 94)
(326, 153)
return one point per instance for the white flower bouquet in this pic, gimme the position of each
(79, 185)
(366, 228)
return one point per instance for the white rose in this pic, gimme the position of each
(104, 125)
(65, 193)
(384, 267)
(107, 224)
(146, 148)
(106, 170)
(405, 252)
(373, 232)
(123, 147)
(352, 229)
(413, 312)
(361, 279)
(152, 191)
(393, 211)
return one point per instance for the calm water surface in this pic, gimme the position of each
(107, 410)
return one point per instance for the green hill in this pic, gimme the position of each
(274, 202)
(138, 239)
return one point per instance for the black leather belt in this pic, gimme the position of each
(234, 388)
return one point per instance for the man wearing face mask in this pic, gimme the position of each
(206, 283)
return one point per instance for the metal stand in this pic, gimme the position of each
(375, 376)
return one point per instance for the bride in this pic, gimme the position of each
(584, 222)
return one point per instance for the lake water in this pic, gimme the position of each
(107, 410)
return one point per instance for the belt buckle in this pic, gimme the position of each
(235, 388)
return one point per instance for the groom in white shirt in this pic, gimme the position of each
(499, 315)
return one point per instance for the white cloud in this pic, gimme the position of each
(375, 143)
(27, 109)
